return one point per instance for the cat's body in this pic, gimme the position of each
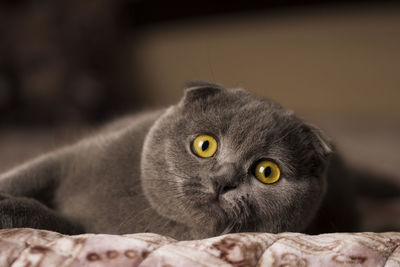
(141, 174)
(95, 182)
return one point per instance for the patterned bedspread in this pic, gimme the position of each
(29, 247)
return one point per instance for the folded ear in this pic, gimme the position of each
(321, 143)
(312, 149)
(197, 90)
(322, 147)
(196, 83)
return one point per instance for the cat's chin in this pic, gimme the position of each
(213, 206)
(214, 219)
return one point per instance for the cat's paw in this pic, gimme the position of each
(22, 212)
(19, 212)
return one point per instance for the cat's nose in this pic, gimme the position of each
(221, 186)
(225, 178)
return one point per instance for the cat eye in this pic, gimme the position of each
(267, 172)
(204, 146)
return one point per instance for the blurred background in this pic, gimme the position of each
(69, 65)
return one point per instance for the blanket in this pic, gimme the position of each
(31, 247)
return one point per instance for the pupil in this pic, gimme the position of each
(205, 145)
(267, 171)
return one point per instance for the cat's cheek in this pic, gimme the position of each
(306, 197)
(281, 206)
(258, 186)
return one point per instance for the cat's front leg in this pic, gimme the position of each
(22, 212)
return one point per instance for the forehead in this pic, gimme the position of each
(240, 118)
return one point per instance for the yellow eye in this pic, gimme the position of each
(267, 172)
(205, 146)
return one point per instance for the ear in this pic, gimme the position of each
(322, 143)
(323, 148)
(312, 148)
(197, 90)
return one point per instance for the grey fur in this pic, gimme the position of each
(140, 174)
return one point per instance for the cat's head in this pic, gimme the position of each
(227, 161)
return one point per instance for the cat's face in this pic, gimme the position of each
(226, 161)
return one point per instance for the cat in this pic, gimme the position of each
(220, 161)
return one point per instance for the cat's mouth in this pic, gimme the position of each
(222, 213)
(214, 203)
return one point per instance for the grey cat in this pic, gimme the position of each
(220, 161)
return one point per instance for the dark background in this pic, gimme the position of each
(82, 60)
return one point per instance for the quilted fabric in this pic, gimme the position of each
(30, 247)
